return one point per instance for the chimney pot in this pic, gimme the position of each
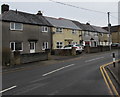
(87, 23)
(39, 13)
(4, 8)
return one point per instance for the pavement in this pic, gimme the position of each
(114, 71)
(78, 76)
(115, 74)
(53, 59)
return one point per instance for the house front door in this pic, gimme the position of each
(32, 47)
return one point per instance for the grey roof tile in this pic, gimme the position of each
(17, 16)
(113, 28)
(86, 27)
(100, 29)
(63, 23)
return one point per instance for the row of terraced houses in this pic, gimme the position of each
(31, 33)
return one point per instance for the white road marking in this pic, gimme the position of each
(94, 59)
(8, 89)
(57, 70)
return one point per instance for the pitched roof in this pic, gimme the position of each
(100, 29)
(113, 28)
(84, 27)
(63, 23)
(91, 28)
(22, 17)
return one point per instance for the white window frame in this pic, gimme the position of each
(60, 30)
(86, 33)
(74, 31)
(59, 44)
(43, 29)
(108, 35)
(43, 48)
(14, 46)
(15, 27)
(101, 34)
(96, 34)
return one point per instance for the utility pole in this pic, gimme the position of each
(109, 25)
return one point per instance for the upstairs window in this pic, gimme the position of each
(101, 34)
(44, 29)
(59, 29)
(16, 26)
(74, 31)
(16, 46)
(86, 33)
(95, 34)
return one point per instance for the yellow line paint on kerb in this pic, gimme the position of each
(105, 79)
(110, 82)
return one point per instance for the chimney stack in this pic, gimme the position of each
(39, 13)
(87, 23)
(4, 8)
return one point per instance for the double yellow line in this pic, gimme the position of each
(107, 79)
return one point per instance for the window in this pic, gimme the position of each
(44, 29)
(101, 34)
(16, 46)
(32, 45)
(45, 45)
(95, 34)
(86, 33)
(73, 31)
(16, 26)
(108, 35)
(59, 44)
(93, 44)
(59, 29)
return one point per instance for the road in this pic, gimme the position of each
(80, 76)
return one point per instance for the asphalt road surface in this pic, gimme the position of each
(80, 76)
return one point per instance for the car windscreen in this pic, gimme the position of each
(67, 46)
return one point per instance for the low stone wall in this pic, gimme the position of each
(6, 56)
(64, 52)
(96, 49)
(33, 57)
(15, 58)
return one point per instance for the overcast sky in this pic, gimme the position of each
(53, 9)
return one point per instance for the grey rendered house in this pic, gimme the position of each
(25, 32)
(103, 35)
(89, 34)
(92, 36)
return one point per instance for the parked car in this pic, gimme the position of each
(115, 44)
(78, 47)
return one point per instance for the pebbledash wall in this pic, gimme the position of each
(25, 55)
(30, 31)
